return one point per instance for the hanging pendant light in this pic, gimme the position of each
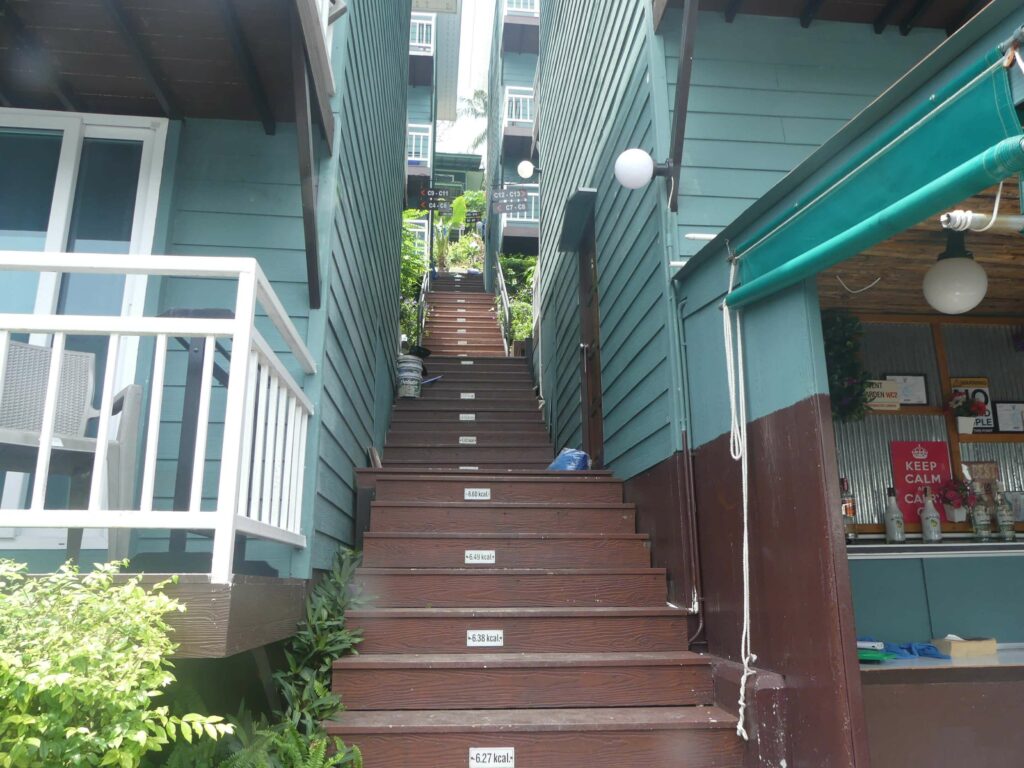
(956, 283)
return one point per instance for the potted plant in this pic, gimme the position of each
(966, 411)
(957, 497)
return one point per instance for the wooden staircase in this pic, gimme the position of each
(516, 619)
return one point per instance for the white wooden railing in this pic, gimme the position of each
(518, 107)
(419, 147)
(421, 34)
(265, 413)
(529, 211)
(522, 7)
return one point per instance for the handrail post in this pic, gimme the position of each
(235, 413)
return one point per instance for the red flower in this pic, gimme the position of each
(978, 408)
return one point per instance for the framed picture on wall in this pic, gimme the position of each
(1009, 417)
(976, 388)
(913, 388)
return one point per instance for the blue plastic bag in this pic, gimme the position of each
(570, 460)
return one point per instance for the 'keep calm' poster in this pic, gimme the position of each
(914, 466)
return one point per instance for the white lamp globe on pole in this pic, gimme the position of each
(634, 168)
(525, 169)
(956, 283)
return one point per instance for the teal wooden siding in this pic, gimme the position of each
(764, 94)
(363, 243)
(518, 69)
(599, 97)
(421, 104)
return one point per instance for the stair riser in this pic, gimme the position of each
(501, 490)
(482, 393)
(476, 590)
(525, 635)
(508, 553)
(563, 748)
(467, 406)
(450, 421)
(415, 519)
(498, 688)
(479, 376)
(493, 439)
(471, 453)
(474, 466)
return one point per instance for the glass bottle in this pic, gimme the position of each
(1005, 518)
(849, 510)
(895, 532)
(981, 515)
(931, 521)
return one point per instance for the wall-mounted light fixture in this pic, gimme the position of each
(956, 283)
(526, 169)
(634, 168)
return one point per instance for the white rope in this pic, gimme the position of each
(995, 207)
(734, 371)
(867, 287)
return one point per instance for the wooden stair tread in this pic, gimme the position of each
(476, 571)
(512, 476)
(522, 612)
(510, 536)
(500, 505)
(520, 660)
(532, 720)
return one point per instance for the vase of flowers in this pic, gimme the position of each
(966, 411)
(957, 497)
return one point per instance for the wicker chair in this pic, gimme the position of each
(22, 400)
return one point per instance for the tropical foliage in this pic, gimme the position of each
(518, 270)
(83, 659)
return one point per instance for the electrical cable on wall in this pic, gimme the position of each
(735, 377)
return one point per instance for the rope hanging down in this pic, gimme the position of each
(738, 450)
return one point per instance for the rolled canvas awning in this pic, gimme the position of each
(957, 142)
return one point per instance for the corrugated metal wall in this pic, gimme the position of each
(896, 348)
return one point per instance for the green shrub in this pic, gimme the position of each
(82, 659)
(284, 746)
(522, 319)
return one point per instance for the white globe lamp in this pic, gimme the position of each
(525, 169)
(634, 168)
(956, 283)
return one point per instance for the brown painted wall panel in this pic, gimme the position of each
(802, 615)
(970, 722)
(663, 512)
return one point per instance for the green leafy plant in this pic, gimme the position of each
(519, 270)
(522, 320)
(322, 638)
(82, 658)
(847, 379)
(467, 253)
(284, 746)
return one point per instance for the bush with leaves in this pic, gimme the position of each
(322, 638)
(467, 252)
(518, 270)
(82, 658)
(847, 379)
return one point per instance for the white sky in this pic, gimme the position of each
(474, 59)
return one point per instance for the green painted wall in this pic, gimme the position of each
(362, 245)
(765, 93)
(603, 92)
(915, 600)
(421, 104)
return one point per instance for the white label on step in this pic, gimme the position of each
(460, 309)
(467, 439)
(472, 468)
(463, 343)
(476, 494)
(460, 330)
(479, 757)
(462, 354)
(481, 557)
(460, 301)
(460, 319)
(467, 362)
(467, 417)
(467, 395)
(485, 638)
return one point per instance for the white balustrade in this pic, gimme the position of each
(421, 34)
(522, 7)
(264, 413)
(518, 107)
(419, 145)
(529, 210)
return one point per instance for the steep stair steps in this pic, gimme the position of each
(513, 614)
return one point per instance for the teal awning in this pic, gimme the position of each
(945, 150)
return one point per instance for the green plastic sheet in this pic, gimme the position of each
(946, 131)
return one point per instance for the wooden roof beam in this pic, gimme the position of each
(965, 15)
(25, 39)
(338, 9)
(920, 7)
(143, 59)
(882, 19)
(811, 8)
(247, 65)
(319, 63)
(732, 9)
(307, 160)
